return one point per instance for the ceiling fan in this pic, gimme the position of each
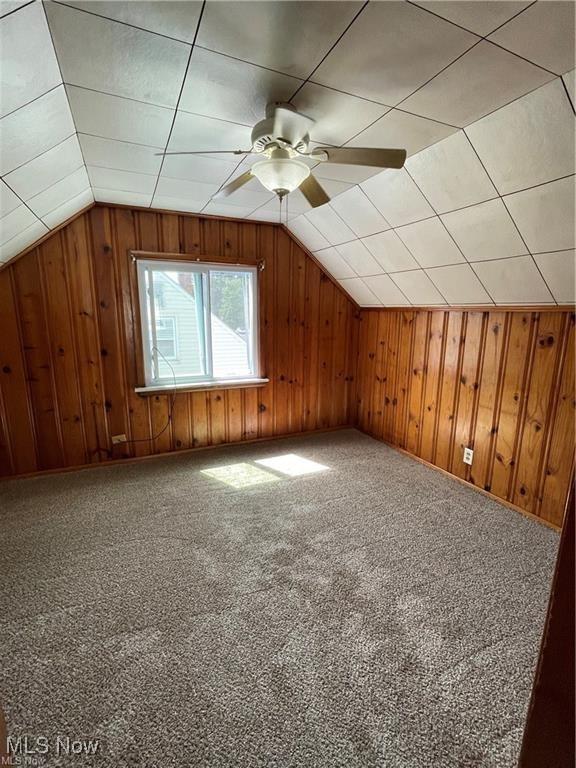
(283, 137)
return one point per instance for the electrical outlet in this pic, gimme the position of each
(468, 455)
(118, 439)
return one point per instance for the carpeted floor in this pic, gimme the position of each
(376, 613)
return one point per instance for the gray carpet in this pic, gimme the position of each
(375, 614)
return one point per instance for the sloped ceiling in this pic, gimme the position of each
(481, 94)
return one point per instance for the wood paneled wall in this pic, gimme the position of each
(69, 340)
(500, 382)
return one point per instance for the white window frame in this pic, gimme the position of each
(148, 266)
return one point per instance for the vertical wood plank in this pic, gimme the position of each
(546, 355)
(489, 389)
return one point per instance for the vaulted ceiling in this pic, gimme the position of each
(481, 94)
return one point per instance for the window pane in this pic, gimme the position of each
(177, 339)
(231, 297)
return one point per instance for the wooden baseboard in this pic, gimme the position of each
(461, 480)
(137, 459)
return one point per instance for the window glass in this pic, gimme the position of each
(198, 322)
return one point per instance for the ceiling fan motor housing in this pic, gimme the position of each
(269, 131)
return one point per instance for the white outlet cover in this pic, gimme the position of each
(468, 455)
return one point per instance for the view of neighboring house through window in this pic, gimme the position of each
(198, 322)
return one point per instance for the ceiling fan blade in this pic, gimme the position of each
(290, 125)
(235, 184)
(208, 152)
(377, 158)
(313, 192)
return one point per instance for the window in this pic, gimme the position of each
(199, 322)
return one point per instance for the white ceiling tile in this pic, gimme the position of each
(360, 292)
(60, 193)
(307, 234)
(513, 281)
(390, 252)
(351, 174)
(289, 37)
(485, 231)
(29, 66)
(429, 243)
(260, 214)
(22, 240)
(474, 86)
(338, 116)
(196, 133)
(418, 288)
(359, 258)
(187, 205)
(173, 19)
(528, 142)
(47, 169)
(106, 56)
(9, 6)
(112, 117)
(68, 209)
(450, 174)
(334, 263)
(119, 197)
(222, 209)
(390, 50)
(8, 200)
(559, 272)
(386, 290)
(329, 224)
(120, 155)
(218, 86)
(480, 16)
(15, 222)
(397, 197)
(402, 130)
(545, 215)
(44, 123)
(123, 181)
(358, 212)
(544, 34)
(198, 168)
(570, 83)
(459, 285)
(249, 198)
(190, 192)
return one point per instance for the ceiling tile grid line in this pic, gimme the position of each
(118, 21)
(329, 51)
(179, 97)
(448, 233)
(15, 10)
(425, 7)
(62, 78)
(517, 228)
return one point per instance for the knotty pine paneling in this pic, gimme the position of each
(70, 335)
(501, 382)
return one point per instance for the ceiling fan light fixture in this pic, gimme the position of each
(281, 175)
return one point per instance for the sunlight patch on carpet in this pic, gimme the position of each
(293, 465)
(240, 475)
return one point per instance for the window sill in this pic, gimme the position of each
(201, 386)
